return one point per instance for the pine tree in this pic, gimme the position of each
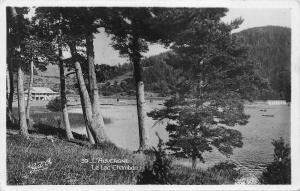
(216, 78)
(18, 22)
(50, 27)
(132, 29)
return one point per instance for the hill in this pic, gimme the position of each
(270, 48)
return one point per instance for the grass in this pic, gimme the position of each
(66, 167)
(222, 173)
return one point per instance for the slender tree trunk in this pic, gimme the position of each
(94, 94)
(194, 162)
(21, 104)
(9, 98)
(63, 99)
(7, 87)
(10, 82)
(11, 87)
(86, 103)
(89, 134)
(140, 95)
(21, 101)
(10, 120)
(28, 120)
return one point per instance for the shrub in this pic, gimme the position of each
(279, 171)
(160, 171)
(226, 169)
(221, 173)
(54, 104)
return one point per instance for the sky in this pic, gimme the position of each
(105, 54)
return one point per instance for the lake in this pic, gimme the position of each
(258, 134)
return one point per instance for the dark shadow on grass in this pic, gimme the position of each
(58, 132)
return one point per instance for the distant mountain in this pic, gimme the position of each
(270, 47)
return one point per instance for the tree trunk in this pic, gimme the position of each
(7, 87)
(28, 120)
(194, 162)
(11, 78)
(89, 134)
(63, 99)
(21, 101)
(140, 95)
(94, 94)
(86, 103)
(21, 104)
(9, 96)
(12, 88)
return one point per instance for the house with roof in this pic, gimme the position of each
(41, 93)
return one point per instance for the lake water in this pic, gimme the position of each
(258, 134)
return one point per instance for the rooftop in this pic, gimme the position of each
(41, 90)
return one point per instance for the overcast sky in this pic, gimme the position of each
(259, 17)
(252, 18)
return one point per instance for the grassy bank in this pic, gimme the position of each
(67, 165)
(222, 173)
(66, 162)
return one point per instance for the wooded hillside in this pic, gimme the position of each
(269, 47)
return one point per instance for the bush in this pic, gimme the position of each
(160, 171)
(279, 171)
(226, 169)
(54, 104)
(221, 173)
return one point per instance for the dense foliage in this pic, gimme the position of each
(159, 74)
(270, 47)
(106, 72)
(160, 171)
(279, 171)
(54, 104)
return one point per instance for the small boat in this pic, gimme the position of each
(268, 115)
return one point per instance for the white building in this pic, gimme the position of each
(41, 93)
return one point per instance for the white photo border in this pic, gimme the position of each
(293, 5)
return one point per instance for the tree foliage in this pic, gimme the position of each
(160, 171)
(54, 104)
(270, 47)
(279, 171)
(159, 74)
(216, 77)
